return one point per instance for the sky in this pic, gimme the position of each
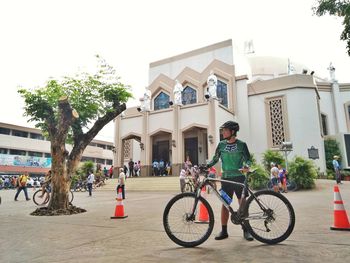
(53, 38)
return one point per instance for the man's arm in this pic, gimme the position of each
(246, 155)
(215, 158)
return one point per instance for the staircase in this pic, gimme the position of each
(152, 184)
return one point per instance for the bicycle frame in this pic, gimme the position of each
(208, 180)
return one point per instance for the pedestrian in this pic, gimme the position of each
(188, 163)
(22, 185)
(90, 181)
(168, 168)
(131, 168)
(121, 182)
(336, 167)
(182, 180)
(136, 169)
(161, 168)
(155, 166)
(105, 171)
(125, 169)
(139, 166)
(282, 175)
(274, 177)
(111, 172)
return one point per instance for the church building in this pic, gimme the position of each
(191, 95)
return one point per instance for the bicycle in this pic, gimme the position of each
(267, 215)
(40, 198)
(291, 185)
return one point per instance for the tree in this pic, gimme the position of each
(338, 8)
(74, 110)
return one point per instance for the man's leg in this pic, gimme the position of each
(224, 219)
(26, 193)
(19, 189)
(247, 236)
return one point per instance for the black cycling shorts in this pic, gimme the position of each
(230, 188)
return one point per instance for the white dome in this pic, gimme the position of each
(273, 66)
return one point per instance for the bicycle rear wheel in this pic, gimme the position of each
(183, 230)
(291, 186)
(41, 199)
(272, 224)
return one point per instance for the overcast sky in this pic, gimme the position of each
(52, 38)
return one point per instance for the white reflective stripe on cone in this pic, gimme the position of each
(339, 207)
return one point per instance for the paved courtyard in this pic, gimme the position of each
(94, 237)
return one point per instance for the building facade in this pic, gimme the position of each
(26, 149)
(273, 100)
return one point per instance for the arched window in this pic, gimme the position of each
(221, 92)
(161, 101)
(189, 96)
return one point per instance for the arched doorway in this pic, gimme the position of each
(195, 145)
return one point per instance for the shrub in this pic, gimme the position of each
(303, 172)
(259, 179)
(272, 156)
(331, 148)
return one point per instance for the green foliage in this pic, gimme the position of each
(303, 172)
(339, 8)
(86, 167)
(253, 159)
(91, 95)
(259, 178)
(74, 180)
(270, 156)
(331, 148)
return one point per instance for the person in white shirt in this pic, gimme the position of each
(274, 177)
(90, 181)
(182, 180)
(121, 182)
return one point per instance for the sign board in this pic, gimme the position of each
(313, 153)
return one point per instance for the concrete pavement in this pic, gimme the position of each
(94, 237)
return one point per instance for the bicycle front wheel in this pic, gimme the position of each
(180, 227)
(271, 220)
(40, 198)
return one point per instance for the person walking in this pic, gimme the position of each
(121, 182)
(90, 181)
(131, 168)
(22, 185)
(336, 167)
(111, 172)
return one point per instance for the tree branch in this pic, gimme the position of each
(86, 138)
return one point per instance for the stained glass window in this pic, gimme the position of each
(221, 92)
(189, 96)
(161, 101)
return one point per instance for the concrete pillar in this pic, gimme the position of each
(243, 110)
(177, 138)
(146, 162)
(338, 108)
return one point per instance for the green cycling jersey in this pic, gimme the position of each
(233, 157)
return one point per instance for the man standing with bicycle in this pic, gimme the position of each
(234, 155)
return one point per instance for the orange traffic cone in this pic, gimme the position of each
(119, 208)
(341, 221)
(203, 212)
